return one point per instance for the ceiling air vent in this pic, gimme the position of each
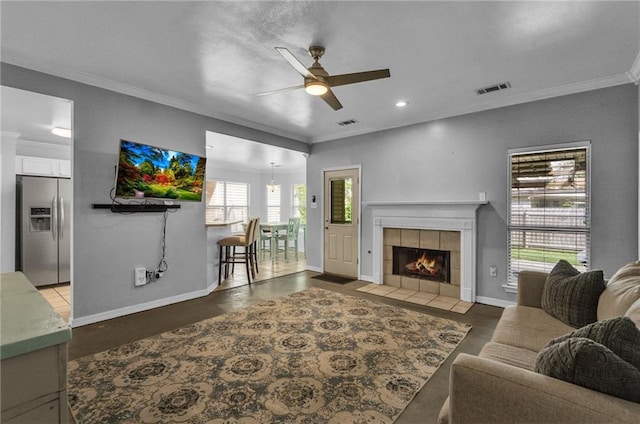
(348, 122)
(493, 88)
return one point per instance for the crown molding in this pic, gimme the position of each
(65, 72)
(10, 134)
(45, 145)
(503, 101)
(634, 72)
(631, 76)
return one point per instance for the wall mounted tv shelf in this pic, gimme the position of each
(132, 207)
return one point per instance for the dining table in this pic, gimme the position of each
(273, 228)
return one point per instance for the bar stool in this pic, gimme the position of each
(230, 257)
(255, 244)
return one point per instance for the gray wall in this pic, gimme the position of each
(456, 158)
(8, 202)
(108, 246)
(441, 160)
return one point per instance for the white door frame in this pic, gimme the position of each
(359, 217)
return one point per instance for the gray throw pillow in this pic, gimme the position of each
(572, 296)
(620, 335)
(589, 364)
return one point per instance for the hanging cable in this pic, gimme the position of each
(163, 266)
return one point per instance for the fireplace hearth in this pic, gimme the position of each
(429, 264)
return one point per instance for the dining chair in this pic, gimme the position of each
(291, 235)
(266, 237)
(229, 256)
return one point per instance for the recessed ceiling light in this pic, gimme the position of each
(401, 103)
(61, 132)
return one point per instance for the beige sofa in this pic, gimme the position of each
(500, 386)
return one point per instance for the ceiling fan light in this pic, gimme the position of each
(316, 88)
(61, 132)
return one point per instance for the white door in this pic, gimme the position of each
(341, 212)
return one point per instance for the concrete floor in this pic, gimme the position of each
(424, 408)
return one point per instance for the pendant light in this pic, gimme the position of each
(272, 186)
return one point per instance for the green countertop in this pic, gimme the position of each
(27, 321)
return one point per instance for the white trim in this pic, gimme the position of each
(572, 145)
(509, 288)
(434, 202)
(550, 147)
(368, 278)
(10, 134)
(494, 302)
(452, 216)
(62, 71)
(495, 102)
(313, 268)
(116, 313)
(634, 72)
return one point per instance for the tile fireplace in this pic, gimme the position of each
(437, 225)
(426, 260)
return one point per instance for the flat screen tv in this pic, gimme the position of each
(151, 172)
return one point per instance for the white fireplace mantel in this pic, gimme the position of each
(436, 215)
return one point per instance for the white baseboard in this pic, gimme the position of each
(368, 278)
(313, 268)
(116, 313)
(494, 302)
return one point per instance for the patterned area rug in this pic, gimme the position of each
(312, 357)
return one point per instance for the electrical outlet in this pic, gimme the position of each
(140, 276)
(493, 271)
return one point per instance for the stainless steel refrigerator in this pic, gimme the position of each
(43, 243)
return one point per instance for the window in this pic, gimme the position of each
(227, 201)
(273, 204)
(548, 214)
(341, 201)
(299, 200)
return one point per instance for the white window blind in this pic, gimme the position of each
(237, 201)
(227, 201)
(549, 213)
(273, 204)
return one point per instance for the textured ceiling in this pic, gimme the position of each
(212, 57)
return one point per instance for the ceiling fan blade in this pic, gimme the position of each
(281, 90)
(293, 61)
(331, 100)
(336, 80)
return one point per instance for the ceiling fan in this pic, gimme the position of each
(318, 82)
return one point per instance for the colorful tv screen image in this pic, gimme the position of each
(151, 172)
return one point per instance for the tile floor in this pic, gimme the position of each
(59, 297)
(267, 269)
(421, 298)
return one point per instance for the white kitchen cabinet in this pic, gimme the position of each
(28, 165)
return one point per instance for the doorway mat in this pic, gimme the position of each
(334, 278)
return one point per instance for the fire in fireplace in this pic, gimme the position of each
(427, 264)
